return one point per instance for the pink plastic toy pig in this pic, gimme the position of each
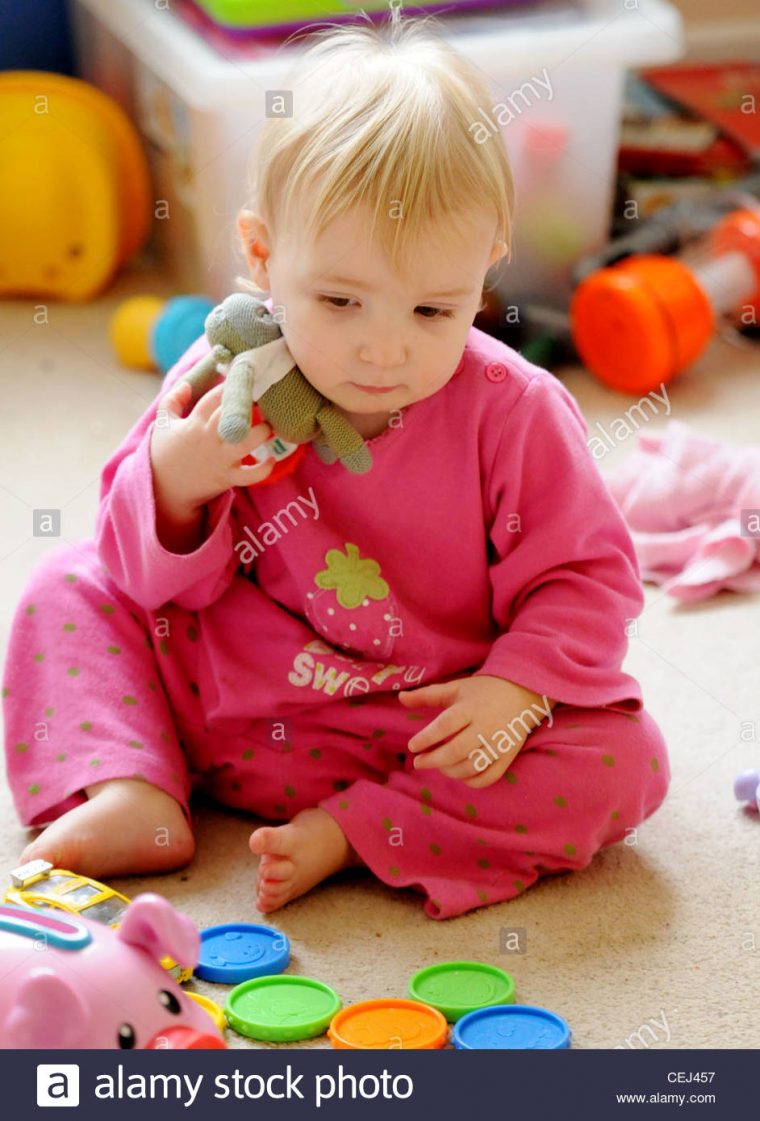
(72, 983)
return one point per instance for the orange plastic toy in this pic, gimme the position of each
(75, 189)
(639, 323)
(391, 1024)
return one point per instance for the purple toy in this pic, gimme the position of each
(72, 983)
(747, 787)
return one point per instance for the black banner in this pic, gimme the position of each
(290, 1083)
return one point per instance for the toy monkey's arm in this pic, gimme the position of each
(237, 398)
(201, 375)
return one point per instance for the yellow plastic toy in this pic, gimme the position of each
(210, 1006)
(130, 330)
(40, 884)
(74, 187)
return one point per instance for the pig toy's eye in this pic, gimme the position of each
(169, 1001)
(127, 1037)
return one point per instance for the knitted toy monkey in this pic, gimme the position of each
(246, 338)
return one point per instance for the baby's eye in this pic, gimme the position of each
(335, 301)
(436, 312)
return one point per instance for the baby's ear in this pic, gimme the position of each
(243, 224)
(253, 234)
(252, 228)
(499, 250)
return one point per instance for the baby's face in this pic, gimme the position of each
(371, 341)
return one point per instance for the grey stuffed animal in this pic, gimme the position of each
(246, 338)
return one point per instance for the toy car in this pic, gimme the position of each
(39, 884)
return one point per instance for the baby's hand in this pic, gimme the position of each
(191, 462)
(489, 719)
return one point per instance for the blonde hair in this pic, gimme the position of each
(382, 116)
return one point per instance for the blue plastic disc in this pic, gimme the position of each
(238, 951)
(518, 1027)
(177, 327)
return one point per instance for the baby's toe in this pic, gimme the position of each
(270, 839)
(271, 894)
(257, 842)
(31, 852)
(55, 846)
(276, 869)
(275, 888)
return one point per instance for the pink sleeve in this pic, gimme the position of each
(125, 531)
(564, 574)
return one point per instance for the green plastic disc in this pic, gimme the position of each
(458, 987)
(281, 1008)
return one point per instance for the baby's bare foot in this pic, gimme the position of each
(127, 827)
(296, 856)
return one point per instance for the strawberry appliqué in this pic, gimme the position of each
(353, 607)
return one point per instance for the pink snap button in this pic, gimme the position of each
(495, 371)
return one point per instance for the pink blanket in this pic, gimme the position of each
(683, 496)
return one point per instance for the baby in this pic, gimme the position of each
(416, 670)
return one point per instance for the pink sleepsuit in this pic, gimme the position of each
(263, 667)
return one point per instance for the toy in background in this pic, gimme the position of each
(74, 187)
(247, 340)
(40, 884)
(747, 788)
(667, 149)
(640, 322)
(670, 228)
(148, 332)
(97, 988)
(49, 906)
(689, 134)
(722, 93)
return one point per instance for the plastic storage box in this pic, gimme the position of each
(263, 17)
(556, 75)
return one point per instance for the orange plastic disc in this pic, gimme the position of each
(389, 1024)
(639, 323)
